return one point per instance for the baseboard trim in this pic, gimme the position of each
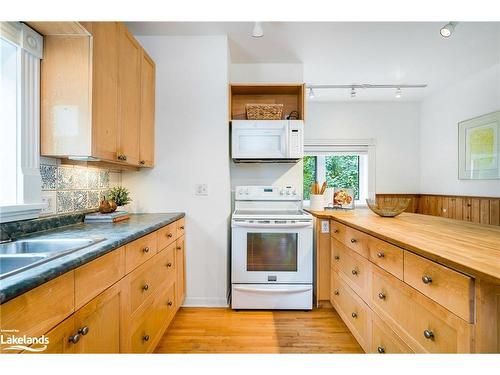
(205, 302)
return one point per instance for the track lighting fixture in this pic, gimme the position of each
(353, 92)
(398, 92)
(448, 29)
(257, 31)
(311, 93)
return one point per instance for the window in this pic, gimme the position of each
(20, 187)
(344, 165)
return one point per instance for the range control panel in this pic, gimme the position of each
(281, 193)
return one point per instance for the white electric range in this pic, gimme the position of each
(272, 250)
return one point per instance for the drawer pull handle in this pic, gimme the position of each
(142, 162)
(380, 254)
(170, 303)
(355, 272)
(353, 240)
(426, 279)
(178, 247)
(428, 334)
(381, 295)
(145, 287)
(146, 249)
(74, 339)
(182, 227)
(336, 292)
(354, 315)
(84, 330)
(145, 337)
(335, 231)
(169, 265)
(169, 235)
(337, 257)
(381, 349)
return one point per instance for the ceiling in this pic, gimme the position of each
(356, 52)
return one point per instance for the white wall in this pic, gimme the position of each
(440, 114)
(393, 125)
(192, 146)
(279, 174)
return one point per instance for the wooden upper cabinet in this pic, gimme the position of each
(147, 129)
(105, 90)
(92, 96)
(129, 96)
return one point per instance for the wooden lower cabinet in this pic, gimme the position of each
(385, 340)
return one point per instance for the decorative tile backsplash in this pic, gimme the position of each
(68, 188)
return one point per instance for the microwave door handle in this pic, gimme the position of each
(279, 290)
(254, 225)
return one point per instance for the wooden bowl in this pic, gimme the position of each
(390, 208)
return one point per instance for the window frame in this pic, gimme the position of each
(366, 147)
(28, 181)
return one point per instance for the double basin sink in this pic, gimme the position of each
(24, 254)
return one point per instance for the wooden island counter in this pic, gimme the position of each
(413, 283)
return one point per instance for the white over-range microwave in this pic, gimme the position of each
(267, 140)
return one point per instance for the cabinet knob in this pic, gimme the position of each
(84, 330)
(142, 162)
(335, 231)
(354, 315)
(182, 227)
(336, 292)
(381, 295)
(381, 349)
(178, 247)
(355, 272)
(169, 235)
(336, 257)
(426, 279)
(380, 254)
(74, 339)
(353, 240)
(169, 265)
(145, 337)
(146, 249)
(122, 157)
(170, 303)
(428, 334)
(145, 287)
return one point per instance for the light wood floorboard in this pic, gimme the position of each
(222, 330)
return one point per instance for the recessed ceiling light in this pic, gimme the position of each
(447, 29)
(353, 92)
(257, 31)
(311, 93)
(398, 92)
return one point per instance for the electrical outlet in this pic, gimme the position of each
(325, 226)
(201, 189)
(49, 197)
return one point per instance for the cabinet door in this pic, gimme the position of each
(129, 96)
(181, 272)
(59, 338)
(98, 322)
(147, 131)
(105, 90)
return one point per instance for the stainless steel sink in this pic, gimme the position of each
(20, 255)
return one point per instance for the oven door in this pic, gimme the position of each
(259, 139)
(265, 253)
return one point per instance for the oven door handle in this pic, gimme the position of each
(281, 290)
(270, 225)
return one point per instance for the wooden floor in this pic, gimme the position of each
(221, 330)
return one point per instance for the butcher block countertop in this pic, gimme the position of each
(473, 249)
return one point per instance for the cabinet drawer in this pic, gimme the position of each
(337, 230)
(353, 311)
(144, 281)
(167, 235)
(386, 256)
(352, 267)
(166, 304)
(449, 288)
(35, 312)
(146, 332)
(139, 251)
(167, 262)
(181, 223)
(384, 340)
(94, 277)
(423, 324)
(357, 241)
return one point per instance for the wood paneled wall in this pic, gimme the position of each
(481, 210)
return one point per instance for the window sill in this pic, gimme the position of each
(20, 212)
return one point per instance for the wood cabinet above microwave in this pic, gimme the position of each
(97, 97)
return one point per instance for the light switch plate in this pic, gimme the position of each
(201, 189)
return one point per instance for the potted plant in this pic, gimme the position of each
(120, 195)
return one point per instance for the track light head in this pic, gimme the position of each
(353, 92)
(399, 93)
(447, 30)
(257, 31)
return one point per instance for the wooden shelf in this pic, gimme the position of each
(291, 95)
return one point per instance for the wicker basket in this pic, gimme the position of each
(264, 111)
